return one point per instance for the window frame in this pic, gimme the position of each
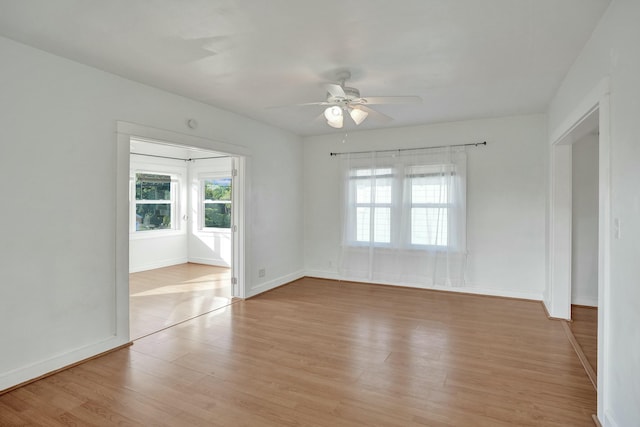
(174, 202)
(401, 208)
(448, 206)
(372, 205)
(202, 202)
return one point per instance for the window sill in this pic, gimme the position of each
(155, 234)
(388, 248)
(211, 231)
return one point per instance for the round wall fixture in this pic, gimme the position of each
(192, 123)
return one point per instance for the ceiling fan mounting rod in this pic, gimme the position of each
(343, 76)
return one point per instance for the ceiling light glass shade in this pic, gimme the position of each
(337, 123)
(334, 116)
(358, 115)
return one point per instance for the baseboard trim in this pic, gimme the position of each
(64, 368)
(581, 356)
(275, 283)
(596, 421)
(471, 290)
(608, 420)
(585, 302)
(158, 264)
(546, 313)
(208, 261)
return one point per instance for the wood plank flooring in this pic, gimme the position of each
(324, 353)
(167, 296)
(585, 330)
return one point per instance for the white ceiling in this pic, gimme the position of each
(465, 58)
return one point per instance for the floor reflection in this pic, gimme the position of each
(167, 296)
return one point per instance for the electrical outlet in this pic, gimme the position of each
(262, 272)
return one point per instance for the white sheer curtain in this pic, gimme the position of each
(405, 217)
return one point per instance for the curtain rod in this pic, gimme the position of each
(178, 158)
(475, 144)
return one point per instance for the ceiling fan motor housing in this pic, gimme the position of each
(351, 94)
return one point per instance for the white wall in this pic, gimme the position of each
(205, 246)
(584, 235)
(505, 198)
(162, 248)
(57, 263)
(613, 51)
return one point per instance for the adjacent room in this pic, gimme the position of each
(180, 256)
(419, 212)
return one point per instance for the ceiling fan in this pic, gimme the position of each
(343, 100)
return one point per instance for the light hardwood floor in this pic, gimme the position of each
(167, 296)
(324, 353)
(585, 330)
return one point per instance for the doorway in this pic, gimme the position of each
(576, 222)
(594, 109)
(180, 235)
(177, 211)
(584, 243)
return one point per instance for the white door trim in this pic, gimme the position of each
(126, 131)
(558, 294)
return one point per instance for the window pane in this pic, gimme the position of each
(383, 190)
(429, 226)
(153, 216)
(363, 191)
(153, 187)
(430, 189)
(217, 215)
(382, 225)
(217, 189)
(369, 172)
(363, 224)
(361, 172)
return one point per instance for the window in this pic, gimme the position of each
(154, 202)
(372, 188)
(430, 204)
(403, 206)
(216, 202)
(404, 217)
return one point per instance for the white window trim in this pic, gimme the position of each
(398, 239)
(353, 217)
(448, 206)
(201, 202)
(176, 203)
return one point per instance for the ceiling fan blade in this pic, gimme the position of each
(373, 100)
(335, 90)
(319, 119)
(375, 114)
(314, 103)
(298, 105)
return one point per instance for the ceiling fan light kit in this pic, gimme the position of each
(342, 99)
(334, 117)
(358, 115)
